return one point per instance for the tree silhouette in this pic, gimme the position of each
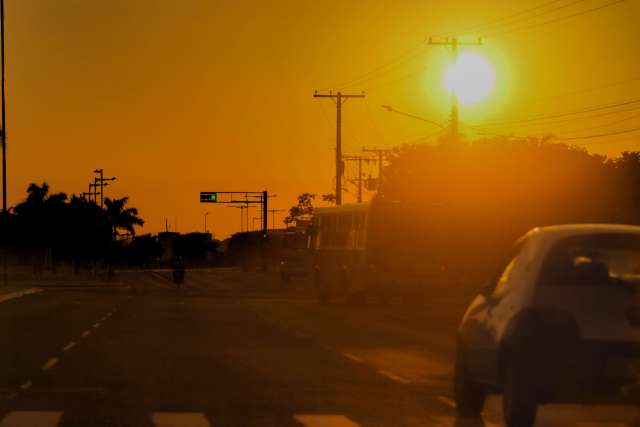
(120, 217)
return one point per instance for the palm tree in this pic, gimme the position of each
(120, 217)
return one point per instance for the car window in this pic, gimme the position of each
(593, 260)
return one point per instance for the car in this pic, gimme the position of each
(558, 323)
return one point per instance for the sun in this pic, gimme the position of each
(472, 78)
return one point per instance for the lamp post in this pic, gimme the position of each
(101, 181)
(205, 221)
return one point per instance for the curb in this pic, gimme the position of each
(18, 294)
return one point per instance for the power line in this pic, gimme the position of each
(383, 68)
(476, 27)
(601, 135)
(538, 15)
(555, 20)
(563, 114)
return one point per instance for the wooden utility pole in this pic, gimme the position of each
(454, 121)
(359, 180)
(340, 98)
(381, 154)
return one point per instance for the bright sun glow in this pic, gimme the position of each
(471, 78)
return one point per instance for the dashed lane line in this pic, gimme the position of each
(86, 333)
(353, 357)
(174, 419)
(69, 346)
(50, 363)
(96, 325)
(25, 385)
(449, 402)
(324, 421)
(393, 377)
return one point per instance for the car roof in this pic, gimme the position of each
(555, 232)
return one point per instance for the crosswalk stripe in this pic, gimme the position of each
(31, 419)
(324, 421)
(179, 419)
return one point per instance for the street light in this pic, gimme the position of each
(101, 180)
(205, 221)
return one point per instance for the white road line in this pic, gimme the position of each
(50, 363)
(25, 385)
(69, 346)
(324, 421)
(86, 333)
(352, 357)
(97, 325)
(31, 419)
(394, 377)
(449, 402)
(179, 419)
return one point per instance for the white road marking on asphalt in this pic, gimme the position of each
(352, 357)
(449, 421)
(25, 385)
(324, 421)
(31, 419)
(97, 325)
(50, 363)
(394, 377)
(69, 346)
(179, 419)
(86, 333)
(446, 401)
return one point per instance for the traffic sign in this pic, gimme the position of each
(208, 197)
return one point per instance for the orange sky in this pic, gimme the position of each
(177, 97)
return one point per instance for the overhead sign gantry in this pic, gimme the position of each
(242, 198)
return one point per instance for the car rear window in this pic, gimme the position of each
(593, 260)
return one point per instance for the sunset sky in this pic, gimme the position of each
(177, 97)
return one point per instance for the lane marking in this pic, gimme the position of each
(86, 333)
(31, 419)
(96, 325)
(324, 421)
(50, 363)
(448, 421)
(176, 419)
(394, 377)
(25, 385)
(69, 346)
(353, 357)
(449, 402)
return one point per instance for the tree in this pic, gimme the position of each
(303, 210)
(329, 198)
(120, 217)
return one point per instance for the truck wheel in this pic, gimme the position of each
(468, 394)
(519, 403)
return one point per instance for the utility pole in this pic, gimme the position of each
(454, 121)
(360, 180)
(340, 98)
(273, 216)
(381, 154)
(205, 221)
(101, 180)
(4, 116)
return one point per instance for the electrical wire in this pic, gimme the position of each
(555, 20)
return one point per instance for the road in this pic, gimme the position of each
(233, 349)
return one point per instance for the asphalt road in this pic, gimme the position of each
(233, 349)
